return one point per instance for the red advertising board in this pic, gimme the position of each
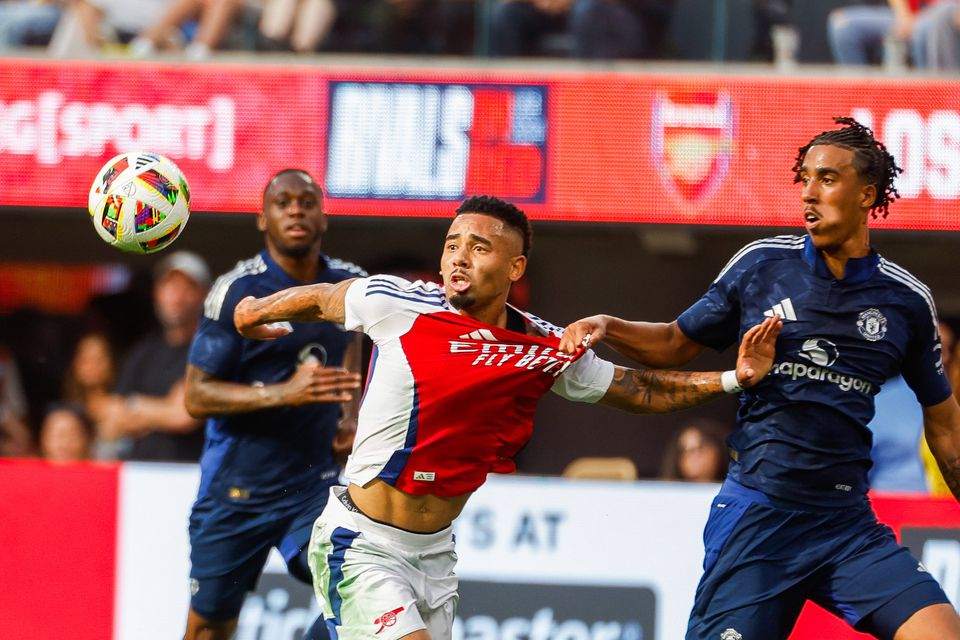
(228, 128)
(59, 536)
(625, 147)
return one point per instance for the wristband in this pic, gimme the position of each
(728, 380)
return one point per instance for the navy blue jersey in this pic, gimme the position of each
(802, 432)
(270, 456)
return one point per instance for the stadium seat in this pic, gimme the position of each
(615, 468)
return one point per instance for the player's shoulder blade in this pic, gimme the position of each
(909, 283)
(213, 305)
(772, 248)
(399, 289)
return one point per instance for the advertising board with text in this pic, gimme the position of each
(600, 147)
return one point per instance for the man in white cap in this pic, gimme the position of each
(147, 418)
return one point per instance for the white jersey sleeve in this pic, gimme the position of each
(383, 307)
(586, 380)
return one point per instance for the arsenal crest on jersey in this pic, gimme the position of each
(692, 143)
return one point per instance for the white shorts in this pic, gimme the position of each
(375, 581)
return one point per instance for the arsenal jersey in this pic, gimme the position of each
(450, 399)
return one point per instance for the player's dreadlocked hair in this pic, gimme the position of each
(501, 210)
(870, 158)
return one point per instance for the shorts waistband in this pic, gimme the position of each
(383, 530)
(348, 502)
(732, 486)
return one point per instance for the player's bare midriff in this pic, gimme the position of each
(420, 514)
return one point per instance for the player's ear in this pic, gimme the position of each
(518, 267)
(261, 222)
(868, 195)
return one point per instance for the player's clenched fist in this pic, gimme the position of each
(583, 333)
(249, 320)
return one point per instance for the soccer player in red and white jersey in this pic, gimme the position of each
(454, 381)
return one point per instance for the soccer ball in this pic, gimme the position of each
(139, 202)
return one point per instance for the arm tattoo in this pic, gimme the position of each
(310, 303)
(950, 469)
(650, 391)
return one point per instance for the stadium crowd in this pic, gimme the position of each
(924, 34)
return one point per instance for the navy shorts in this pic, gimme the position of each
(764, 561)
(229, 546)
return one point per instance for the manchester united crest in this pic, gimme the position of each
(872, 324)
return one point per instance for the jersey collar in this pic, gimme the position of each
(858, 269)
(290, 280)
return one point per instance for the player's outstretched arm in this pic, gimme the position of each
(649, 391)
(941, 424)
(311, 383)
(311, 303)
(651, 344)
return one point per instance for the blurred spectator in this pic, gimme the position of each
(369, 26)
(89, 380)
(598, 29)
(860, 35)
(89, 383)
(89, 26)
(936, 40)
(66, 434)
(302, 23)
(214, 21)
(147, 416)
(16, 440)
(697, 454)
(857, 33)
(27, 22)
(772, 17)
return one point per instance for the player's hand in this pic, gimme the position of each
(249, 319)
(583, 333)
(313, 383)
(757, 350)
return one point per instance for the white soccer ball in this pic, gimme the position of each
(139, 202)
